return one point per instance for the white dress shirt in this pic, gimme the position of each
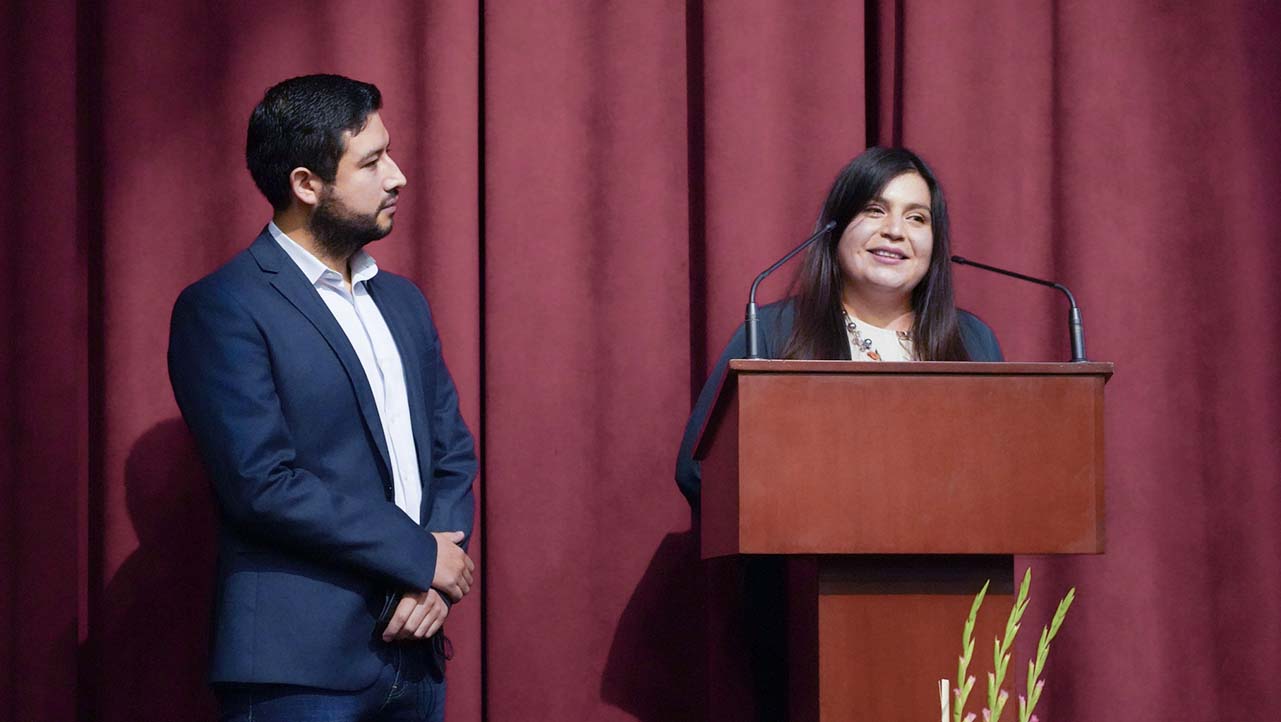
(365, 328)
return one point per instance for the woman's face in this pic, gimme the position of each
(886, 248)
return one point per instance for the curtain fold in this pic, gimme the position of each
(44, 439)
(586, 226)
(592, 187)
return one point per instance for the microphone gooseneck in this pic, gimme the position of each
(1075, 328)
(753, 344)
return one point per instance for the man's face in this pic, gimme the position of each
(360, 205)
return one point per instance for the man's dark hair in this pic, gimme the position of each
(300, 122)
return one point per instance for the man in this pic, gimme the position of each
(314, 385)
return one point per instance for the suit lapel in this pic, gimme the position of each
(401, 325)
(286, 277)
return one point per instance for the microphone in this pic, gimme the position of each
(753, 348)
(1074, 313)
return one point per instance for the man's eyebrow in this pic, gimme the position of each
(371, 155)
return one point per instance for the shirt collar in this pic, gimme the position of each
(363, 266)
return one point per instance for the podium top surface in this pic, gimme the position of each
(984, 368)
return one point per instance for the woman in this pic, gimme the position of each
(879, 288)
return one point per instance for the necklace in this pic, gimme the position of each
(862, 345)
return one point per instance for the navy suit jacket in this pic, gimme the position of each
(775, 323)
(312, 549)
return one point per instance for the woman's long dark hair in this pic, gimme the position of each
(819, 329)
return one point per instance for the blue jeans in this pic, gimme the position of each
(408, 689)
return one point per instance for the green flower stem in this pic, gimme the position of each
(1001, 649)
(964, 682)
(1035, 668)
(997, 697)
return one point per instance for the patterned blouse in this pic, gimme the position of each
(873, 343)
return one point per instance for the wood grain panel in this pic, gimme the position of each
(934, 458)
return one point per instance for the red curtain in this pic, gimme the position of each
(591, 188)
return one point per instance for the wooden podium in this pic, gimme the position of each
(895, 490)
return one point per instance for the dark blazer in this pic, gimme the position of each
(775, 325)
(311, 548)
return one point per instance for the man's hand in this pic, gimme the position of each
(418, 616)
(453, 566)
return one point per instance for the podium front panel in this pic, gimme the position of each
(840, 458)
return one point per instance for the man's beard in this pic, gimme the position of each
(339, 232)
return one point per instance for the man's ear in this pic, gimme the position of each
(306, 186)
